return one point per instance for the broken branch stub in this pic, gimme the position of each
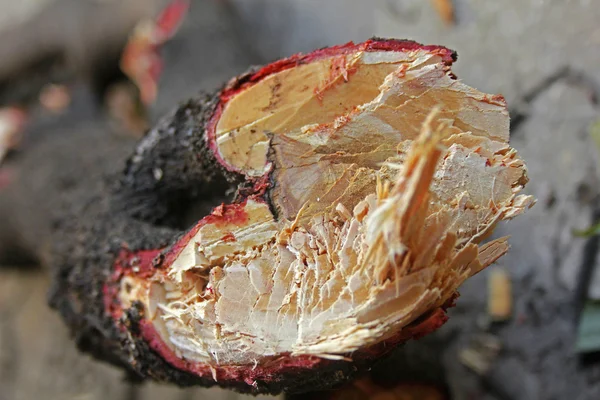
(370, 177)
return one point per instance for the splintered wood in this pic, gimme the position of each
(387, 173)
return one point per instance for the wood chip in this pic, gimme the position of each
(479, 356)
(499, 295)
(474, 360)
(445, 9)
(141, 60)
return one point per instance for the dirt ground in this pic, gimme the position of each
(542, 55)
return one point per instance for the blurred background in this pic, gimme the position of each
(528, 328)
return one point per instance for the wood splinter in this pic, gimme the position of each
(366, 177)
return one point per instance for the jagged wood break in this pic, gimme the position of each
(370, 175)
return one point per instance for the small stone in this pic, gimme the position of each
(474, 360)
(158, 173)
